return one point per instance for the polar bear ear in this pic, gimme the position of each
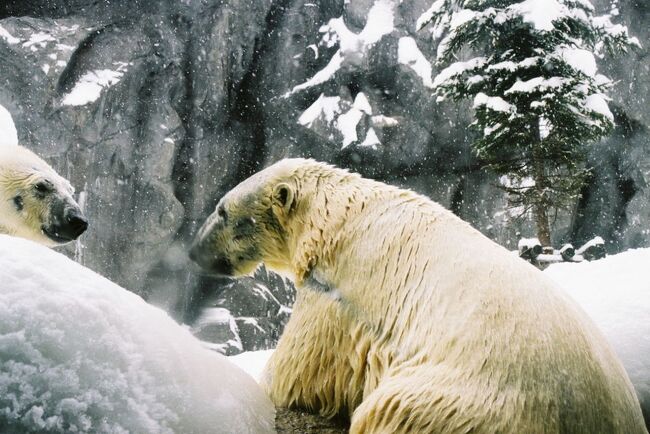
(283, 197)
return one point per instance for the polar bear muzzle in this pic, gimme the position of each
(67, 222)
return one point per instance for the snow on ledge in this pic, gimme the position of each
(380, 22)
(90, 86)
(348, 121)
(81, 354)
(410, 55)
(4, 34)
(8, 133)
(326, 106)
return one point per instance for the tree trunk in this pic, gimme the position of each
(540, 207)
(543, 228)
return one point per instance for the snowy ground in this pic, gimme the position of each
(615, 293)
(80, 354)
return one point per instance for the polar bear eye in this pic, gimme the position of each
(43, 187)
(245, 224)
(19, 203)
(221, 212)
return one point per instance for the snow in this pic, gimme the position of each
(410, 55)
(351, 45)
(494, 103)
(428, 15)
(540, 13)
(252, 362)
(79, 353)
(384, 121)
(596, 241)
(598, 103)
(8, 132)
(536, 84)
(347, 122)
(582, 60)
(321, 76)
(371, 140)
(456, 69)
(38, 40)
(615, 293)
(528, 243)
(379, 23)
(90, 86)
(4, 34)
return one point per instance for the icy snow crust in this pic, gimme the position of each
(80, 354)
(615, 293)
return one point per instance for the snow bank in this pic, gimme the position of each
(8, 133)
(615, 293)
(79, 353)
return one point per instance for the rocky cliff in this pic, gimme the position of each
(154, 109)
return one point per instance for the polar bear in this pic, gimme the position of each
(408, 319)
(36, 202)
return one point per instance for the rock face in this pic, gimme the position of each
(154, 109)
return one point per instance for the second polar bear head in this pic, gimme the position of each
(258, 221)
(36, 202)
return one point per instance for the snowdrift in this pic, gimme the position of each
(615, 293)
(80, 354)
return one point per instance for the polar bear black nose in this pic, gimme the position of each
(77, 224)
(74, 224)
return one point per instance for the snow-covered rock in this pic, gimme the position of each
(80, 354)
(615, 293)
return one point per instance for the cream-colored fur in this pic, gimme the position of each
(411, 321)
(20, 171)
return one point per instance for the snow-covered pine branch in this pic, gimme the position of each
(538, 97)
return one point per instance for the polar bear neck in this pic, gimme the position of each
(6, 231)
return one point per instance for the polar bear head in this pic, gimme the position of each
(36, 202)
(267, 218)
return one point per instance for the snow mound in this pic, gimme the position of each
(615, 293)
(80, 354)
(252, 362)
(8, 133)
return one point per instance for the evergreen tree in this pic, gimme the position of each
(538, 98)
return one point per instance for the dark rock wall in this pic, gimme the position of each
(200, 105)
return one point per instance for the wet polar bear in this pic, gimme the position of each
(402, 325)
(36, 202)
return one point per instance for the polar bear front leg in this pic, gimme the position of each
(320, 361)
(432, 400)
